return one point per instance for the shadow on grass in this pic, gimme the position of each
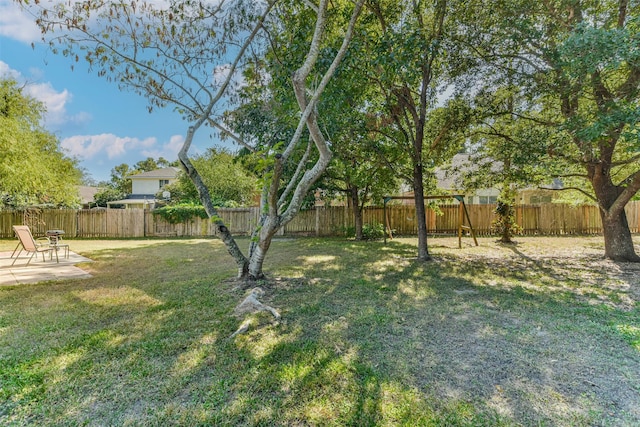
(481, 332)
(368, 337)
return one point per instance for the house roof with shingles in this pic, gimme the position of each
(164, 173)
(87, 193)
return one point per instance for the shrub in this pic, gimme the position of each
(369, 231)
(373, 231)
(176, 214)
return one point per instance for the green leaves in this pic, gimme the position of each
(33, 168)
(175, 214)
(229, 184)
(602, 126)
(589, 49)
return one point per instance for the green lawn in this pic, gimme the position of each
(544, 332)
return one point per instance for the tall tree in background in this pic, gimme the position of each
(187, 54)
(228, 182)
(412, 66)
(358, 171)
(507, 150)
(150, 164)
(121, 178)
(359, 175)
(580, 61)
(33, 168)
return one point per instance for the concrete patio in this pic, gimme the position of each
(38, 270)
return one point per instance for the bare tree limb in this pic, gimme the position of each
(590, 196)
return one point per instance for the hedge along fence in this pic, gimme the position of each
(548, 219)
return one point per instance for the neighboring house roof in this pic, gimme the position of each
(450, 177)
(87, 193)
(164, 173)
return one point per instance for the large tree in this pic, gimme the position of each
(33, 168)
(359, 171)
(414, 60)
(264, 115)
(579, 61)
(187, 54)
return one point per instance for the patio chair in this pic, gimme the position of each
(30, 245)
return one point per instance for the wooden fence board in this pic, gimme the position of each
(553, 219)
(633, 216)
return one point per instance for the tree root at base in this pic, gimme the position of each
(250, 305)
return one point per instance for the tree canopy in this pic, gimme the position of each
(188, 54)
(228, 181)
(34, 171)
(383, 85)
(578, 62)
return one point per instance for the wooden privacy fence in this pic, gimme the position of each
(548, 219)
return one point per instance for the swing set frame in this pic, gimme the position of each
(462, 214)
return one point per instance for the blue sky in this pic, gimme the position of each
(95, 122)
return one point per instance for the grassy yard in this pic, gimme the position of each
(544, 332)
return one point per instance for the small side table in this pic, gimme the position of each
(55, 239)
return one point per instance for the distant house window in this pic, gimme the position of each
(535, 200)
(487, 200)
(163, 182)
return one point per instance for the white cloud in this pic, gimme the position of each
(89, 146)
(221, 73)
(17, 24)
(169, 150)
(6, 71)
(55, 101)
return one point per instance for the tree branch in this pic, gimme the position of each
(632, 187)
(296, 176)
(590, 196)
(627, 161)
(232, 135)
(309, 115)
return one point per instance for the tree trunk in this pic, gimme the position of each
(506, 212)
(618, 243)
(418, 196)
(357, 213)
(258, 252)
(254, 271)
(506, 235)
